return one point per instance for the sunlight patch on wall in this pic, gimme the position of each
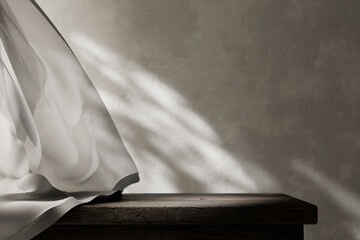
(348, 201)
(173, 146)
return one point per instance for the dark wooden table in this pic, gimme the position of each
(187, 216)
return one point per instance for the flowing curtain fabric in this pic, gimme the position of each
(58, 144)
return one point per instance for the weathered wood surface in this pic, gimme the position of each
(196, 209)
(187, 216)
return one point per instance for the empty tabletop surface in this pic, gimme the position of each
(151, 209)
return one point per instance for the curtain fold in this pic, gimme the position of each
(58, 144)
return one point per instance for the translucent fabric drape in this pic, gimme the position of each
(58, 144)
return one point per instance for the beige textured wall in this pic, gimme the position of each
(231, 95)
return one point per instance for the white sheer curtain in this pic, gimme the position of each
(58, 144)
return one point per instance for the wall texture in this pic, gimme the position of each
(231, 95)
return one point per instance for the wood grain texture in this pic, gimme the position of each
(195, 209)
(186, 216)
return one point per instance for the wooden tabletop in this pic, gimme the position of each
(192, 209)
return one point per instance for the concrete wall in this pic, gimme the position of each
(231, 95)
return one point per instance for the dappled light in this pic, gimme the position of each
(346, 200)
(158, 126)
